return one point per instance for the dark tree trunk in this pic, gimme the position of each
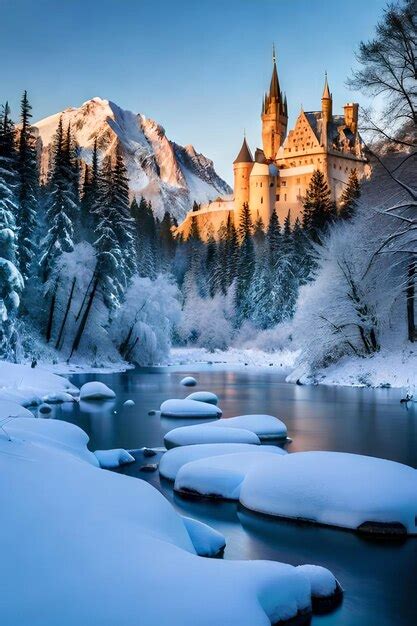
(125, 343)
(67, 310)
(85, 296)
(410, 291)
(50, 323)
(84, 319)
(131, 348)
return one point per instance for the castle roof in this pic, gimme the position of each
(336, 130)
(274, 90)
(326, 91)
(245, 155)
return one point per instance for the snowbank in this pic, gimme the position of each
(196, 434)
(80, 545)
(338, 489)
(265, 426)
(189, 408)
(96, 390)
(110, 459)
(27, 386)
(58, 397)
(203, 396)
(10, 410)
(206, 541)
(220, 477)
(175, 458)
(387, 368)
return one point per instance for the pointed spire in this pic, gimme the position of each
(274, 90)
(245, 155)
(326, 90)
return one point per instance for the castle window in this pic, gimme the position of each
(285, 197)
(284, 183)
(277, 197)
(298, 181)
(260, 184)
(262, 200)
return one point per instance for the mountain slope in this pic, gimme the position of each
(170, 175)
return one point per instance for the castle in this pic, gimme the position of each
(278, 175)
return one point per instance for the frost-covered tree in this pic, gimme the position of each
(28, 190)
(318, 207)
(11, 282)
(63, 207)
(211, 263)
(146, 237)
(245, 267)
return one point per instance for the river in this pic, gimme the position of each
(379, 577)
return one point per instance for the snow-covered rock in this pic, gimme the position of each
(334, 488)
(220, 477)
(203, 396)
(27, 386)
(110, 459)
(96, 390)
(201, 433)
(189, 408)
(175, 458)
(129, 403)
(265, 426)
(206, 541)
(188, 381)
(44, 408)
(9, 409)
(323, 582)
(58, 397)
(171, 176)
(83, 546)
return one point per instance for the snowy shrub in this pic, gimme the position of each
(270, 340)
(142, 327)
(206, 322)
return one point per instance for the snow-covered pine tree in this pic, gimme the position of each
(11, 282)
(193, 280)
(62, 210)
(145, 239)
(350, 196)
(259, 233)
(166, 241)
(90, 197)
(28, 190)
(318, 207)
(124, 225)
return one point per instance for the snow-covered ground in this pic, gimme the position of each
(393, 368)
(28, 386)
(233, 356)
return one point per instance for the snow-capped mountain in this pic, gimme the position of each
(170, 175)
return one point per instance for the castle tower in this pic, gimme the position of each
(263, 180)
(326, 110)
(274, 116)
(242, 167)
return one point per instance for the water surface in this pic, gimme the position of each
(379, 577)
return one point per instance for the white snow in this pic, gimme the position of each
(96, 390)
(202, 433)
(58, 397)
(10, 409)
(110, 459)
(27, 386)
(221, 476)
(265, 426)
(80, 545)
(334, 488)
(203, 396)
(323, 583)
(175, 458)
(188, 381)
(206, 540)
(282, 359)
(129, 403)
(189, 408)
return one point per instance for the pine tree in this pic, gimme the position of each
(211, 263)
(146, 238)
(11, 282)
(245, 267)
(167, 240)
(259, 232)
(62, 211)
(273, 240)
(318, 208)
(350, 196)
(28, 190)
(90, 197)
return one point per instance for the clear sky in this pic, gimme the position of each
(198, 67)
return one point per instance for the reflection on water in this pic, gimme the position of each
(379, 578)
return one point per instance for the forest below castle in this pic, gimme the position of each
(90, 276)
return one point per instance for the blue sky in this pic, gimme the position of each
(198, 67)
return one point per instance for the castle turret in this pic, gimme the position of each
(274, 116)
(242, 167)
(263, 179)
